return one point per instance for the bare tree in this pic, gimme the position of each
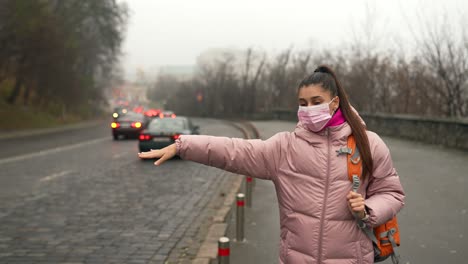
(250, 76)
(59, 51)
(444, 48)
(277, 80)
(376, 81)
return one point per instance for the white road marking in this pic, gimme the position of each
(55, 175)
(52, 151)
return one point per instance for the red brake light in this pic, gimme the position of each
(138, 109)
(115, 125)
(144, 137)
(152, 112)
(161, 115)
(175, 137)
(173, 115)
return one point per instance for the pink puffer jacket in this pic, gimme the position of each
(311, 183)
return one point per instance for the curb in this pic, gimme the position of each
(239, 127)
(208, 252)
(254, 129)
(209, 249)
(35, 132)
(249, 125)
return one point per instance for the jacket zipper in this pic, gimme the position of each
(322, 217)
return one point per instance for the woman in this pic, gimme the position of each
(317, 204)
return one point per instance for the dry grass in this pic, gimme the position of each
(16, 117)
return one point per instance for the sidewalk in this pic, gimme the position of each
(262, 220)
(420, 167)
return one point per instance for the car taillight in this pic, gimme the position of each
(138, 109)
(173, 115)
(175, 137)
(115, 125)
(136, 125)
(161, 115)
(144, 137)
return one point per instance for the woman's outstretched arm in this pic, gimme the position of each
(256, 158)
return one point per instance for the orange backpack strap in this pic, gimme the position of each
(389, 237)
(354, 163)
(354, 175)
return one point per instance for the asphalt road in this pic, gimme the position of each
(79, 197)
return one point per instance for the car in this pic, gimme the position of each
(152, 112)
(129, 125)
(164, 114)
(119, 111)
(139, 109)
(162, 132)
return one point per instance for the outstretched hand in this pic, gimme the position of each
(161, 154)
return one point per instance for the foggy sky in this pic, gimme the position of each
(175, 32)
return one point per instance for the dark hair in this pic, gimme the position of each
(325, 77)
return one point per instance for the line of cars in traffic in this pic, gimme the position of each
(154, 128)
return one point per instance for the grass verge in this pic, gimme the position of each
(17, 117)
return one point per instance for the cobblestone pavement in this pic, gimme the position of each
(94, 201)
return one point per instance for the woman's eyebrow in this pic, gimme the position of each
(316, 97)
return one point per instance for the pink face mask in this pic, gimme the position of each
(314, 118)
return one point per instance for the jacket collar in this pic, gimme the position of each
(340, 132)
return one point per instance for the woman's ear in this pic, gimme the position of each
(337, 102)
(335, 105)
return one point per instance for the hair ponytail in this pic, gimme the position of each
(325, 76)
